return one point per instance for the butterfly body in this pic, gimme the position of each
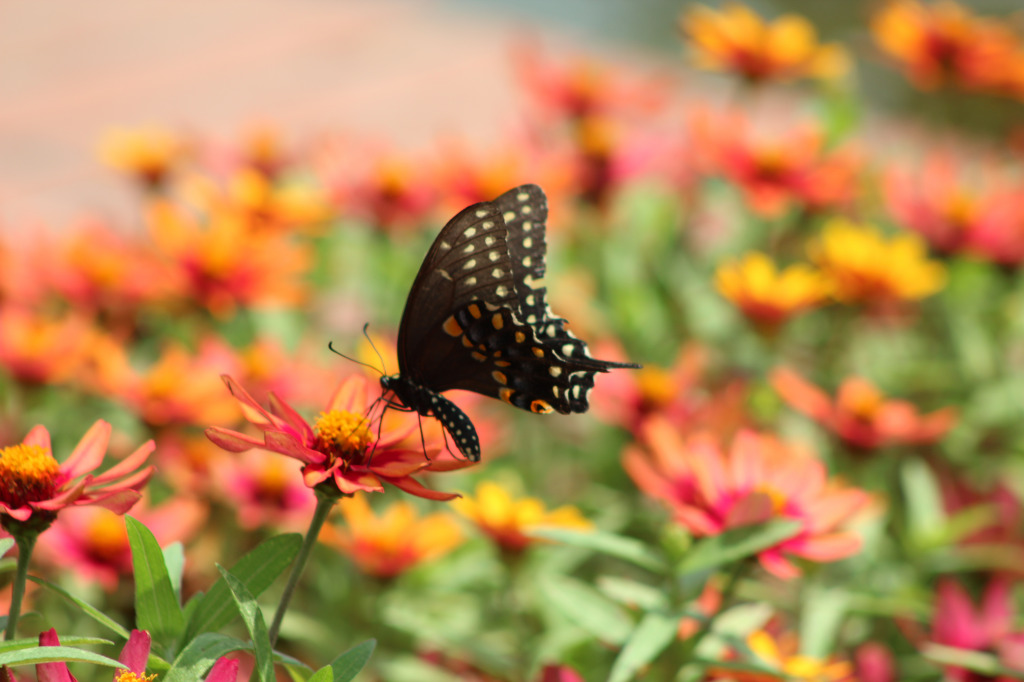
(476, 320)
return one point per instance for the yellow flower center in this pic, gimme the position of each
(342, 434)
(28, 473)
(106, 535)
(129, 676)
(656, 385)
(777, 498)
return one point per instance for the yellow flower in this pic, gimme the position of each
(508, 521)
(780, 654)
(393, 542)
(862, 266)
(148, 154)
(738, 40)
(766, 295)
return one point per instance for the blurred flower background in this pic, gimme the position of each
(804, 219)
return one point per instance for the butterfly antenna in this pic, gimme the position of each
(374, 347)
(330, 345)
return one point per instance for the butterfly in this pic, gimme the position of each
(476, 319)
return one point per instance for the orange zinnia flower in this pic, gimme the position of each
(758, 479)
(39, 349)
(395, 194)
(861, 415)
(577, 88)
(147, 154)
(391, 543)
(224, 262)
(33, 485)
(338, 450)
(739, 41)
(934, 202)
(508, 521)
(862, 266)
(766, 295)
(627, 398)
(95, 541)
(779, 170)
(782, 654)
(941, 43)
(181, 387)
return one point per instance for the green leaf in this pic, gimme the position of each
(822, 615)
(736, 544)
(631, 592)
(90, 610)
(33, 642)
(51, 654)
(257, 570)
(926, 515)
(174, 560)
(654, 633)
(324, 674)
(347, 665)
(618, 546)
(5, 545)
(254, 623)
(587, 608)
(200, 654)
(156, 606)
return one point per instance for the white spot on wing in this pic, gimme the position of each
(509, 216)
(567, 349)
(496, 273)
(470, 232)
(555, 371)
(501, 291)
(527, 262)
(470, 281)
(493, 255)
(528, 242)
(481, 212)
(469, 248)
(444, 273)
(470, 264)
(523, 196)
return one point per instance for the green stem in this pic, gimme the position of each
(25, 541)
(323, 508)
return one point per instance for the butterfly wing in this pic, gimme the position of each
(468, 262)
(477, 320)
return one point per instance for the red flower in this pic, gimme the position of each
(33, 483)
(861, 415)
(338, 449)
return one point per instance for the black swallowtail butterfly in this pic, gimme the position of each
(475, 320)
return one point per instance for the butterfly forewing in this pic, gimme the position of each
(469, 261)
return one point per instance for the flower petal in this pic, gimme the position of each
(41, 437)
(128, 465)
(136, 651)
(56, 671)
(285, 411)
(89, 452)
(224, 670)
(414, 487)
(288, 445)
(232, 441)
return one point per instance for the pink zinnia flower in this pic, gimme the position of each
(34, 484)
(338, 447)
(958, 623)
(757, 479)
